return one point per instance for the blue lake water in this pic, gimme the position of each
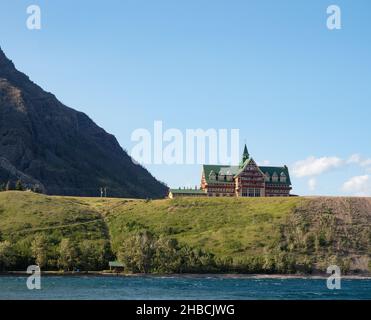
(190, 287)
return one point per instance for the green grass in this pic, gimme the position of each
(226, 227)
(222, 226)
(22, 214)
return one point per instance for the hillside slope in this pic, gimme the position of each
(45, 143)
(264, 235)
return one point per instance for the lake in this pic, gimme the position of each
(181, 287)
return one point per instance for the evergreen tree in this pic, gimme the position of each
(19, 186)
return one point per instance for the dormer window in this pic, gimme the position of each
(275, 177)
(212, 175)
(283, 177)
(228, 175)
(267, 177)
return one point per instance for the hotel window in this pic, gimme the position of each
(251, 193)
(275, 177)
(257, 193)
(283, 177)
(244, 192)
(212, 175)
(267, 177)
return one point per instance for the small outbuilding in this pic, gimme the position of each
(116, 266)
(174, 193)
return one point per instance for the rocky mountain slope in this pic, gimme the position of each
(45, 143)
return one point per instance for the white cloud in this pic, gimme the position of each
(358, 185)
(366, 163)
(357, 159)
(312, 183)
(354, 158)
(315, 166)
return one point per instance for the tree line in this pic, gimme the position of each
(143, 252)
(18, 186)
(68, 254)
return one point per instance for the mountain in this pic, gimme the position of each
(60, 150)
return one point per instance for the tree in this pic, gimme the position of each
(137, 252)
(7, 256)
(94, 254)
(19, 186)
(196, 260)
(39, 248)
(68, 255)
(166, 258)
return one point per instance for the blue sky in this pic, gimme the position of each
(299, 93)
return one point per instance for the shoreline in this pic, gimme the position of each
(186, 275)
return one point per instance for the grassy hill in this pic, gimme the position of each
(223, 226)
(281, 235)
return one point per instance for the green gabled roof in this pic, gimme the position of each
(187, 191)
(278, 170)
(207, 168)
(235, 170)
(231, 170)
(217, 168)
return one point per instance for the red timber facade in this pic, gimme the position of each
(246, 180)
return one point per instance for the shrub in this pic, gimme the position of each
(94, 254)
(7, 256)
(68, 255)
(39, 248)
